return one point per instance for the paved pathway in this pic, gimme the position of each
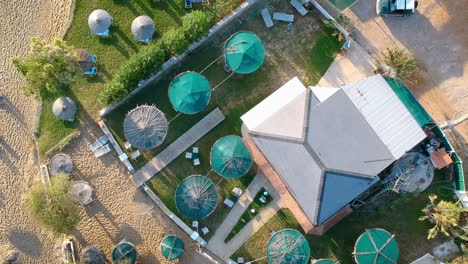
(354, 66)
(177, 147)
(216, 243)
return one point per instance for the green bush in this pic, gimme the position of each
(195, 24)
(174, 41)
(150, 58)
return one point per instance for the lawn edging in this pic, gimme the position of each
(170, 63)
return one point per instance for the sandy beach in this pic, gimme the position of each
(120, 212)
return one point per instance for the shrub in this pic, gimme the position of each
(47, 66)
(195, 24)
(401, 60)
(52, 206)
(174, 41)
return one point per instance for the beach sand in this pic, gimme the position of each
(120, 211)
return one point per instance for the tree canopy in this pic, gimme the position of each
(401, 60)
(47, 66)
(448, 217)
(52, 206)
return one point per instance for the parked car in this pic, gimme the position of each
(396, 7)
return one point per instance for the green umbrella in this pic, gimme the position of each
(172, 247)
(189, 92)
(376, 246)
(230, 158)
(196, 197)
(124, 250)
(288, 246)
(244, 52)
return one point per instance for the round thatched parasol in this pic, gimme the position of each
(172, 247)
(99, 21)
(230, 158)
(60, 163)
(288, 246)
(145, 127)
(92, 255)
(83, 57)
(64, 108)
(143, 28)
(376, 245)
(196, 197)
(123, 251)
(81, 192)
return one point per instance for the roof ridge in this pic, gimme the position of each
(277, 137)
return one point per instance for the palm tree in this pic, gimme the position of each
(449, 218)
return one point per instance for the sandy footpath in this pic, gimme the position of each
(119, 212)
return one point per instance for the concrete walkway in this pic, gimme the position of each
(352, 67)
(216, 243)
(178, 147)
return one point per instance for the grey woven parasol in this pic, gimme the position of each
(64, 108)
(143, 28)
(93, 255)
(145, 127)
(81, 192)
(60, 163)
(99, 21)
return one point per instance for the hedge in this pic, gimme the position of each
(149, 59)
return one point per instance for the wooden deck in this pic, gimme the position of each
(178, 147)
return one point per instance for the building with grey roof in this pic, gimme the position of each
(326, 146)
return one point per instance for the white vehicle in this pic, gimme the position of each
(396, 7)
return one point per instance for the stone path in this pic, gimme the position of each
(178, 147)
(225, 250)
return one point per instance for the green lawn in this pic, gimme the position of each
(248, 215)
(111, 52)
(397, 214)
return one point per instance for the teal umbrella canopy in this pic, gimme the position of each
(325, 261)
(189, 92)
(172, 247)
(230, 158)
(196, 197)
(376, 246)
(288, 246)
(123, 251)
(244, 52)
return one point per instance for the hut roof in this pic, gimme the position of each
(143, 28)
(145, 127)
(230, 158)
(124, 250)
(99, 21)
(196, 197)
(288, 246)
(60, 163)
(189, 92)
(244, 52)
(64, 108)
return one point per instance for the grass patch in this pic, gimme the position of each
(324, 52)
(399, 215)
(257, 206)
(111, 52)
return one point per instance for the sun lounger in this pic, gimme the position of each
(229, 203)
(195, 150)
(93, 58)
(195, 224)
(188, 155)
(283, 17)
(104, 34)
(299, 7)
(205, 230)
(91, 71)
(188, 3)
(267, 18)
(135, 154)
(196, 162)
(102, 150)
(99, 143)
